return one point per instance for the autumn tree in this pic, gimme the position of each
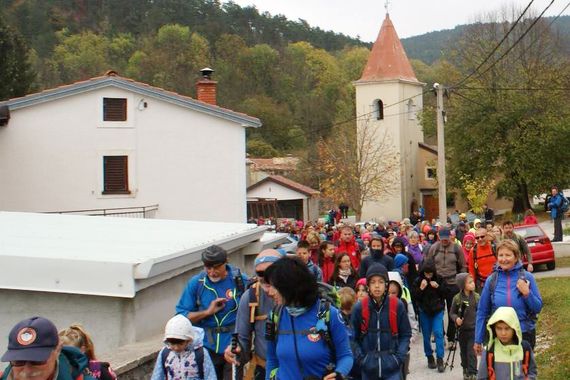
(358, 167)
(508, 121)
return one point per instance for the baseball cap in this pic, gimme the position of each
(32, 339)
(444, 233)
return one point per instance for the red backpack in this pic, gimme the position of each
(392, 315)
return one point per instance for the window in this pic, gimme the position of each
(114, 109)
(115, 175)
(411, 110)
(379, 109)
(431, 172)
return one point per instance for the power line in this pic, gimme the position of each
(513, 88)
(517, 41)
(498, 45)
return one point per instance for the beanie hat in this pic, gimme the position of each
(361, 281)
(366, 236)
(377, 270)
(214, 255)
(400, 260)
(32, 339)
(398, 241)
(461, 278)
(468, 236)
(179, 327)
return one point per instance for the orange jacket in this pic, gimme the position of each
(482, 267)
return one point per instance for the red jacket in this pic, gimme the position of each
(353, 251)
(328, 268)
(485, 261)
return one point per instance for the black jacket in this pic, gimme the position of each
(430, 300)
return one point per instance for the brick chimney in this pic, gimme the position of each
(206, 87)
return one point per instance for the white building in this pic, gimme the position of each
(120, 277)
(112, 142)
(388, 97)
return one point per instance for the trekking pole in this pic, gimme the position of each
(233, 349)
(451, 352)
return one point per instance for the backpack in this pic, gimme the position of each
(525, 364)
(565, 204)
(493, 284)
(198, 357)
(322, 327)
(456, 250)
(255, 303)
(392, 315)
(493, 251)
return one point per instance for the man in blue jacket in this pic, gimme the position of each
(210, 300)
(555, 205)
(379, 350)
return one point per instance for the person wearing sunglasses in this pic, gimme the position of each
(255, 306)
(36, 353)
(482, 258)
(210, 301)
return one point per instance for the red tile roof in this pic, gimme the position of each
(296, 186)
(388, 59)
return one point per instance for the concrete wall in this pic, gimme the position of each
(190, 163)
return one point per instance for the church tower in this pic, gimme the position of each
(388, 97)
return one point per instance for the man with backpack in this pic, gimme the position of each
(449, 261)
(210, 301)
(254, 307)
(557, 205)
(482, 258)
(382, 330)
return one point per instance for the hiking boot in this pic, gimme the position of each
(440, 367)
(431, 362)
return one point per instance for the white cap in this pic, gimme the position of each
(179, 327)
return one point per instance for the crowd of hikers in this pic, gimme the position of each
(345, 303)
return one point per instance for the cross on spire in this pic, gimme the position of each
(386, 6)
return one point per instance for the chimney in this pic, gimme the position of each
(206, 87)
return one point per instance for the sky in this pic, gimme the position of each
(363, 18)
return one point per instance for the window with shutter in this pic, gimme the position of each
(114, 109)
(115, 175)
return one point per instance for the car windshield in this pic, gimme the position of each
(528, 232)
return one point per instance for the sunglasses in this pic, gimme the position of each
(21, 363)
(481, 237)
(260, 273)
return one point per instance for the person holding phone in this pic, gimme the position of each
(210, 301)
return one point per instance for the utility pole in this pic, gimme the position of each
(442, 193)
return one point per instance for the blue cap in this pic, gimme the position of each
(32, 339)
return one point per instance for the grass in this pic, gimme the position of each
(553, 340)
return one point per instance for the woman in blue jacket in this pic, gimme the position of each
(306, 336)
(509, 285)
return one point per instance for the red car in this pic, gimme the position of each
(539, 245)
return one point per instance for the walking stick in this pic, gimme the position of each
(233, 349)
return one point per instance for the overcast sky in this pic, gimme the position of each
(410, 17)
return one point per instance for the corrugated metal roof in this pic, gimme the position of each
(103, 255)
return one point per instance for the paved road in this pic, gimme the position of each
(420, 371)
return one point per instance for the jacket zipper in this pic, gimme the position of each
(508, 289)
(378, 337)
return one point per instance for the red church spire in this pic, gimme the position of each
(388, 59)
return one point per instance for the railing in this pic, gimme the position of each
(124, 212)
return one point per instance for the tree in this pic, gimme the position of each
(16, 74)
(512, 135)
(358, 167)
(476, 191)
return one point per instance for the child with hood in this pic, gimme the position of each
(401, 266)
(429, 290)
(183, 357)
(463, 312)
(507, 356)
(468, 243)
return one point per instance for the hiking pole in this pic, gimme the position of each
(453, 349)
(233, 349)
